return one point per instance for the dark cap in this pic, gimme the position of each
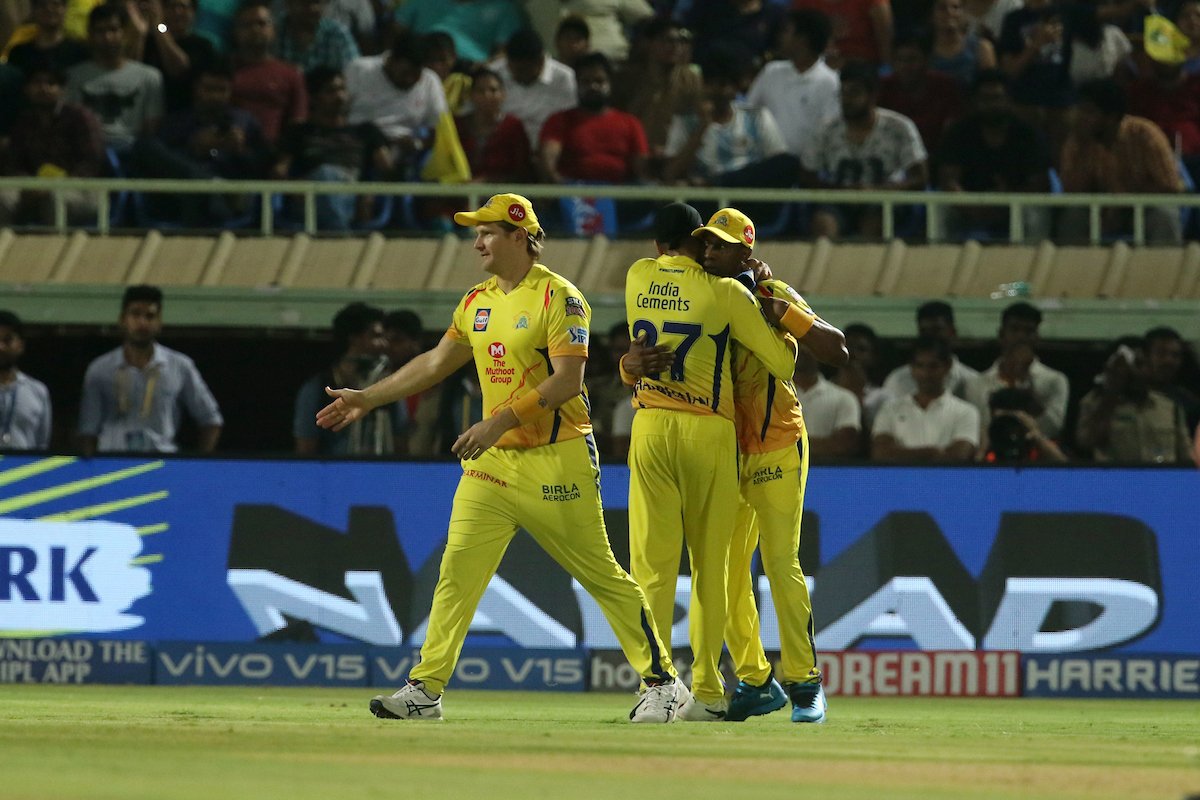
(675, 222)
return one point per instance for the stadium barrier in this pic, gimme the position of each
(989, 581)
(929, 203)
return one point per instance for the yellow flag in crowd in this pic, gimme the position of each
(447, 160)
(1163, 41)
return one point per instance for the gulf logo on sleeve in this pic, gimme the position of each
(481, 318)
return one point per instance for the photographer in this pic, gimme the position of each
(1013, 435)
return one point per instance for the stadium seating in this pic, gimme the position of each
(449, 263)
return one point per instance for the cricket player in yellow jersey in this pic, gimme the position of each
(530, 463)
(773, 446)
(683, 451)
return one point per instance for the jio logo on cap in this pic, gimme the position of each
(496, 350)
(516, 212)
(748, 234)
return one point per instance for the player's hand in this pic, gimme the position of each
(348, 406)
(642, 360)
(773, 309)
(761, 269)
(478, 438)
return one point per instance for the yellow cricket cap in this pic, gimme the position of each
(511, 208)
(730, 225)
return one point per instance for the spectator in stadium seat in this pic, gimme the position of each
(268, 88)
(723, 144)
(126, 96)
(495, 143)
(1170, 98)
(133, 396)
(166, 42)
(405, 336)
(1112, 152)
(865, 148)
(438, 54)
(25, 415)
(362, 360)
(358, 17)
(309, 39)
(607, 21)
(1166, 355)
(743, 26)
(593, 142)
(327, 147)
(993, 150)
(572, 40)
(832, 415)
(535, 85)
(660, 85)
(1034, 53)
(1018, 367)
(860, 375)
(929, 98)
(800, 90)
(1124, 420)
(957, 51)
(935, 319)
(862, 29)
(400, 96)
(480, 27)
(212, 139)
(929, 424)
(51, 138)
(50, 43)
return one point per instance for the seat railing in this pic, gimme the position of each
(474, 194)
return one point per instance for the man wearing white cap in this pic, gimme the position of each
(531, 463)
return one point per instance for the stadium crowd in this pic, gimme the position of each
(931, 408)
(949, 95)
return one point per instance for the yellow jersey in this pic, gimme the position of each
(674, 301)
(513, 337)
(768, 415)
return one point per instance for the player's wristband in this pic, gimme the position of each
(626, 378)
(529, 407)
(797, 322)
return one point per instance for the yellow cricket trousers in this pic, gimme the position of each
(769, 518)
(683, 489)
(552, 491)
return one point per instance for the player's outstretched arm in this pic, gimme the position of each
(425, 370)
(750, 327)
(564, 384)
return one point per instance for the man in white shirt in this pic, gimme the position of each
(800, 91)
(396, 93)
(1019, 367)
(832, 414)
(930, 425)
(935, 319)
(866, 148)
(536, 85)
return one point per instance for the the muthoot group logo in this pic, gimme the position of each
(69, 577)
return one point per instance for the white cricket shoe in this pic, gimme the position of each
(695, 711)
(411, 701)
(660, 702)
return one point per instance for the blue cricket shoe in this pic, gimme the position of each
(808, 702)
(751, 701)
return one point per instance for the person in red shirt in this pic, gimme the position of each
(495, 143)
(268, 88)
(1170, 98)
(593, 142)
(929, 98)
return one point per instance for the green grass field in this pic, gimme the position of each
(221, 744)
